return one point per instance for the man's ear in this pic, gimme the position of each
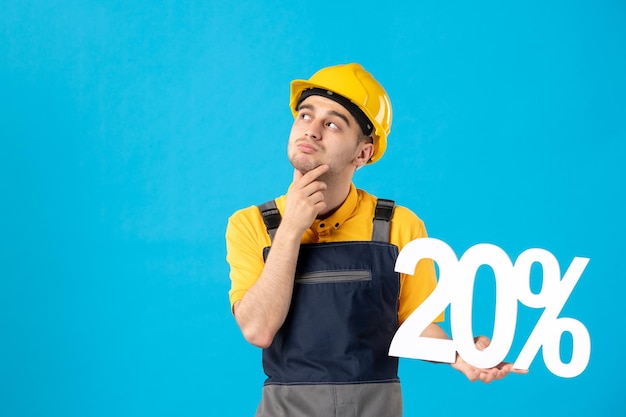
(366, 150)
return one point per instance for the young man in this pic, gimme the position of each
(325, 301)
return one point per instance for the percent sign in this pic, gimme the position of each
(455, 288)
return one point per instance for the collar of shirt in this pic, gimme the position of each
(322, 229)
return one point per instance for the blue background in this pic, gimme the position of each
(130, 131)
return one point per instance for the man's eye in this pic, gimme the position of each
(332, 125)
(305, 116)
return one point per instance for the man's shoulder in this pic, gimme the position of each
(400, 213)
(254, 209)
(245, 212)
(251, 215)
(405, 214)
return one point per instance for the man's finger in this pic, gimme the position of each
(482, 342)
(310, 176)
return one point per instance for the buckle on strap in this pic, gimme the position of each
(384, 209)
(271, 217)
(382, 219)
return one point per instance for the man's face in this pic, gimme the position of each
(324, 132)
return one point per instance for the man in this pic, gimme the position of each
(325, 302)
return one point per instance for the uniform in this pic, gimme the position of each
(330, 355)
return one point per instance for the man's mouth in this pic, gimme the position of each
(306, 147)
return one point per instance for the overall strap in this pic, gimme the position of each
(382, 218)
(271, 217)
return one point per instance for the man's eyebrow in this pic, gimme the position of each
(305, 106)
(340, 115)
(331, 112)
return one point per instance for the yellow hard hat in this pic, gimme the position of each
(354, 83)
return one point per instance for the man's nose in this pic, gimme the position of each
(314, 130)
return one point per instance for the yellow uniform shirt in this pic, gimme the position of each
(246, 237)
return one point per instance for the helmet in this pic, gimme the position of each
(353, 82)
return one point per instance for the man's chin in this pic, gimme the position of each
(305, 166)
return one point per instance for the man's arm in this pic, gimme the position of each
(264, 307)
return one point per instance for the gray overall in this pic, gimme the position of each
(330, 357)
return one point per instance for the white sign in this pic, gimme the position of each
(455, 287)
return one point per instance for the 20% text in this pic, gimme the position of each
(455, 288)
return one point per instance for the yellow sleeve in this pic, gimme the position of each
(414, 289)
(245, 239)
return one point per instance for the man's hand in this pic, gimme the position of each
(263, 309)
(305, 200)
(485, 375)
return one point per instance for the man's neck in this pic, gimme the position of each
(335, 195)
